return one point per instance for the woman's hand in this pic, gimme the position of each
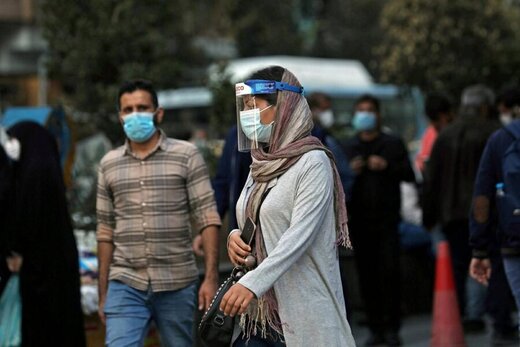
(237, 249)
(236, 300)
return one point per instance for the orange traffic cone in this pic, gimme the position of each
(446, 326)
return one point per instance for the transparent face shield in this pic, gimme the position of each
(252, 133)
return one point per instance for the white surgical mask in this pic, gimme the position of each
(326, 118)
(13, 148)
(506, 118)
(253, 127)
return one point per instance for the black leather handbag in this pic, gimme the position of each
(215, 328)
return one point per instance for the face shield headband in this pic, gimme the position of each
(252, 133)
(271, 87)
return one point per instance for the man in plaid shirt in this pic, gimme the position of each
(151, 192)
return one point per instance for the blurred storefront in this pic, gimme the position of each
(23, 75)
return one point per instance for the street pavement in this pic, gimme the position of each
(416, 332)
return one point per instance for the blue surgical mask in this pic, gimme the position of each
(253, 128)
(139, 126)
(364, 121)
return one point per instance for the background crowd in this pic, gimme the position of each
(401, 196)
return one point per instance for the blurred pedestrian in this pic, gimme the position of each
(438, 109)
(323, 117)
(321, 108)
(294, 196)
(42, 245)
(488, 196)
(232, 171)
(448, 187)
(380, 162)
(6, 202)
(151, 191)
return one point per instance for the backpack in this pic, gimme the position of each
(508, 195)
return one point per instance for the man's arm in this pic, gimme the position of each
(204, 216)
(104, 236)
(480, 226)
(210, 237)
(105, 251)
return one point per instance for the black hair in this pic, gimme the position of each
(368, 98)
(271, 73)
(510, 97)
(316, 100)
(435, 104)
(138, 84)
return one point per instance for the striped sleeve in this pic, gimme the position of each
(104, 209)
(201, 197)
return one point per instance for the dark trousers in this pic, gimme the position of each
(457, 235)
(499, 300)
(273, 339)
(376, 248)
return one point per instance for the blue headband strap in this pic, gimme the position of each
(270, 87)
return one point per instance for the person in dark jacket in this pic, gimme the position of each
(483, 217)
(42, 236)
(232, 172)
(323, 117)
(380, 162)
(448, 188)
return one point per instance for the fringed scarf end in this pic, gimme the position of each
(258, 319)
(344, 238)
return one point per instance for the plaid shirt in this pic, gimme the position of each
(145, 206)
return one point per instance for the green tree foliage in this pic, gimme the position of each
(266, 28)
(223, 114)
(97, 44)
(348, 29)
(449, 44)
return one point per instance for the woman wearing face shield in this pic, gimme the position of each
(293, 295)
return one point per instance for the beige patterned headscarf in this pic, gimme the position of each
(290, 140)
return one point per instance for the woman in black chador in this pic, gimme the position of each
(5, 214)
(42, 235)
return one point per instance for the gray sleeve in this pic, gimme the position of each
(313, 199)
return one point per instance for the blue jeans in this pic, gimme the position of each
(475, 299)
(512, 268)
(129, 312)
